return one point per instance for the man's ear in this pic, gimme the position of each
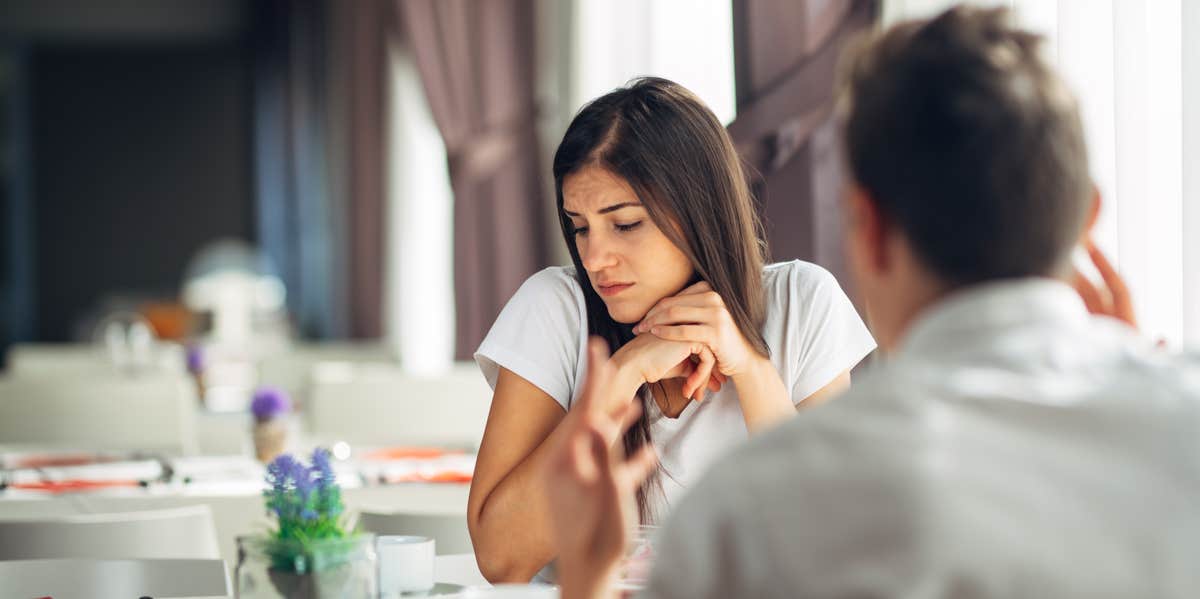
(870, 229)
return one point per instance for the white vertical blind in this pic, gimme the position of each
(1136, 76)
(1190, 21)
(687, 41)
(419, 266)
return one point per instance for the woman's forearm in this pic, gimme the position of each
(764, 398)
(511, 532)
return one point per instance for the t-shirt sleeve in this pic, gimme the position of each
(829, 337)
(538, 335)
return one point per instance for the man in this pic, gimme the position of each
(1012, 445)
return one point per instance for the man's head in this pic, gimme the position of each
(968, 161)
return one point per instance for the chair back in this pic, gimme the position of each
(176, 533)
(381, 404)
(88, 579)
(111, 411)
(449, 531)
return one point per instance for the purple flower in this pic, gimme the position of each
(269, 402)
(280, 472)
(324, 470)
(195, 359)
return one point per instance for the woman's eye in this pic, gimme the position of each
(629, 227)
(577, 231)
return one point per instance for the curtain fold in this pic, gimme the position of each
(358, 118)
(785, 58)
(319, 87)
(476, 60)
(294, 207)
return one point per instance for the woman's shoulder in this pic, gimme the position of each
(550, 284)
(797, 279)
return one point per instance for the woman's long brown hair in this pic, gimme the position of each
(671, 149)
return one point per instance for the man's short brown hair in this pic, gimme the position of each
(969, 142)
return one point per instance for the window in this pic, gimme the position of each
(1138, 83)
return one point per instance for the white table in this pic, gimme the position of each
(192, 578)
(237, 514)
(460, 569)
(85, 579)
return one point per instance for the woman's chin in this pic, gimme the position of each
(625, 315)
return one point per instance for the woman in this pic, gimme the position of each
(668, 268)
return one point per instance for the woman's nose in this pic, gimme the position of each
(597, 254)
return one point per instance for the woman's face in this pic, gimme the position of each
(629, 261)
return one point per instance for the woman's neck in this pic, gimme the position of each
(668, 395)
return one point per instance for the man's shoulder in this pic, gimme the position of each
(821, 442)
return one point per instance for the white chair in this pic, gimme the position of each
(55, 360)
(449, 531)
(100, 579)
(177, 533)
(291, 368)
(114, 411)
(381, 404)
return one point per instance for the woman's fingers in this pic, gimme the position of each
(697, 307)
(695, 288)
(696, 333)
(693, 387)
(713, 384)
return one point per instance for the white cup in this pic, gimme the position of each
(405, 564)
(512, 591)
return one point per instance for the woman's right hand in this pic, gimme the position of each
(654, 359)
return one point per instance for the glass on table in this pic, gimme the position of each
(639, 558)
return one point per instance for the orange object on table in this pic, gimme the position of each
(409, 453)
(440, 477)
(170, 320)
(67, 486)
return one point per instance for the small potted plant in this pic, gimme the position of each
(310, 554)
(270, 408)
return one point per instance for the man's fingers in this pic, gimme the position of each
(634, 472)
(1122, 303)
(580, 463)
(598, 372)
(600, 453)
(630, 415)
(1088, 291)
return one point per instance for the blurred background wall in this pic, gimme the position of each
(390, 158)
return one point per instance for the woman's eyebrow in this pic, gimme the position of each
(607, 209)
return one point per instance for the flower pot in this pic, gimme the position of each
(337, 568)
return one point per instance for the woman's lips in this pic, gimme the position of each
(613, 289)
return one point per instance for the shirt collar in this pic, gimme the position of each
(988, 308)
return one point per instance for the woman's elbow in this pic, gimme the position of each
(495, 557)
(500, 566)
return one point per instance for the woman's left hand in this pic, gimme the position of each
(698, 314)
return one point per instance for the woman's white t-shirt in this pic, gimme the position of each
(813, 331)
